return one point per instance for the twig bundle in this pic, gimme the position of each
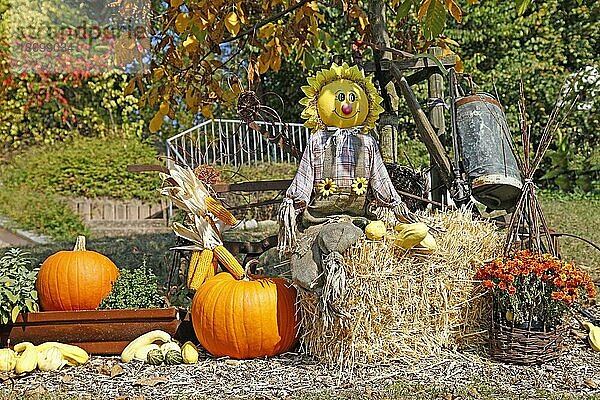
(402, 303)
(528, 228)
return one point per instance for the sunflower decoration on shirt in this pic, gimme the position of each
(359, 186)
(340, 97)
(326, 187)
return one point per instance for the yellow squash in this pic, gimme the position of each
(50, 359)
(189, 352)
(27, 357)
(73, 355)
(8, 360)
(375, 230)
(593, 335)
(410, 235)
(144, 340)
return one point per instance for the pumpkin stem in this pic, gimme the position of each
(80, 243)
(249, 264)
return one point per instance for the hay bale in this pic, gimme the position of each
(403, 304)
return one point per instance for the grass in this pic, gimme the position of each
(579, 216)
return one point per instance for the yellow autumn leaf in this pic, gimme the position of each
(471, 2)
(191, 100)
(191, 43)
(459, 67)
(266, 31)
(130, 87)
(363, 20)
(454, 9)
(423, 9)
(163, 108)
(275, 62)
(158, 73)
(176, 3)
(264, 60)
(156, 122)
(207, 112)
(182, 22)
(232, 23)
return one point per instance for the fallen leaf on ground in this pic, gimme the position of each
(591, 383)
(152, 381)
(38, 390)
(67, 378)
(234, 363)
(116, 370)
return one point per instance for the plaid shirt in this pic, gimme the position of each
(310, 170)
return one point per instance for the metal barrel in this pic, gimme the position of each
(487, 156)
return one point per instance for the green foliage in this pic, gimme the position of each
(41, 177)
(17, 285)
(89, 167)
(40, 212)
(135, 288)
(551, 43)
(96, 107)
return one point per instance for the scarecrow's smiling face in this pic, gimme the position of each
(342, 104)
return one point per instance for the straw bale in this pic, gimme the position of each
(404, 304)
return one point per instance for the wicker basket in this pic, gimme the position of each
(522, 346)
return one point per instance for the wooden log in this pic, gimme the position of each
(428, 134)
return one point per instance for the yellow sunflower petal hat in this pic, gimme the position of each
(340, 97)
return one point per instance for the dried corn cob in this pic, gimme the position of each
(201, 267)
(219, 211)
(229, 261)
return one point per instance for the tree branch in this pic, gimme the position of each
(266, 21)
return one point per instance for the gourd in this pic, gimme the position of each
(27, 357)
(410, 235)
(428, 244)
(144, 340)
(75, 280)
(189, 353)
(73, 355)
(375, 230)
(246, 318)
(155, 357)
(173, 357)
(8, 360)
(168, 346)
(142, 353)
(50, 359)
(593, 335)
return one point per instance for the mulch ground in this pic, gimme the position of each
(294, 375)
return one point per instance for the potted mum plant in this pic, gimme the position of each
(533, 291)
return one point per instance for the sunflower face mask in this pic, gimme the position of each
(342, 104)
(340, 97)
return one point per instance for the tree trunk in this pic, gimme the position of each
(388, 139)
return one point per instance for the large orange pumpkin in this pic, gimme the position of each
(75, 280)
(246, 318)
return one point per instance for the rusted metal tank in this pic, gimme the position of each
(488, 159)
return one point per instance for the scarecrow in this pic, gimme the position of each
(340, 176)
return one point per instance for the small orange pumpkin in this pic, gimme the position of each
(75, 280)
(246, 318)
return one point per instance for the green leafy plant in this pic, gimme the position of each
(135, 288)
(17, 285)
